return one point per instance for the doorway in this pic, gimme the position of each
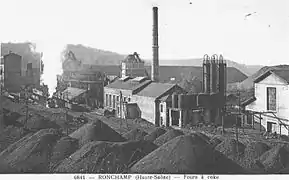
(271, 127)
(175, 118)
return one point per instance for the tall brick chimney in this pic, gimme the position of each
(155, 63)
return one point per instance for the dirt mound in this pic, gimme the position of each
(124, 155)
(37, 122)
(135, 134)
(63, 148)
(96, 131)
(155, 134)
(182, 155)
(203, 136)
(252, 152)
(32, 154)
(215, 142)
(231, 148)
(10, 135)
(275, 159)
(104, 157)
(169, 135)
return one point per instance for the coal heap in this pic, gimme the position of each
(252, 152)
(96, 131)
(231, 148)
(105, 157)
(169, 135)
(155, 134)
(183, 155)
(215, 142)
(63, 148)
(275, 159)
(10, 135)
(135, 134)
(31, 154)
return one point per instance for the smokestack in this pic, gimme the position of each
(155, 64)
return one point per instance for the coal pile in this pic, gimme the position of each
(37, 122)
(155, 134)
(63, 149)
(169, 135)
(253, 151)
(124, 155)
(232, 149)
(215, 142)
(85, 159)
(10, 135)
(96, 131)
(32, 154)
(275, 159)
(105, 157)
(184, 155)
(135, 134)
(203, 136)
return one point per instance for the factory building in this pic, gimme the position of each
(133, 66)
(206, 107)
(75, 75)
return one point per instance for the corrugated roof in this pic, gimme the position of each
(128, 85)
(284, 74)
(72, 92)
(155, 89)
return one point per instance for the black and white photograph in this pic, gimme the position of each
(144, 89)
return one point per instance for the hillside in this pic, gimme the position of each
(95, 56)
(88, 55)
(248, 83)
(176, 72)
(246, 69)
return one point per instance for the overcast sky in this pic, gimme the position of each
(187, 28)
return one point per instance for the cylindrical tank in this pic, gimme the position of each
(175, 101)
(206, 74)
(213, 76)
(181, 101)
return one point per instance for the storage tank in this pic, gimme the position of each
(206, 74)
(181, 101)
(213, 74)
(175, 101)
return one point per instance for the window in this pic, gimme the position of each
(271, 98)
(161, 108)
(117, 98)
(113, 101)
(106, 99)
(162, 121)
(110, 100)
(128, 99)
(124, 99)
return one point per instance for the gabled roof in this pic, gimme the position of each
(72, 92)
(282, 73)
(128, 85)
(155, 90)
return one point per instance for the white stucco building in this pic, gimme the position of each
(272, 98)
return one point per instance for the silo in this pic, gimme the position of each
(206, 74)
(213, 74)
(175, 101)
(181, 101)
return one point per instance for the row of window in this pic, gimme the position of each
(111, 100)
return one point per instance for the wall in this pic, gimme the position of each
(163, 114)
(12, 70)
(282, 103)
(147, 107)
(132, 69)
